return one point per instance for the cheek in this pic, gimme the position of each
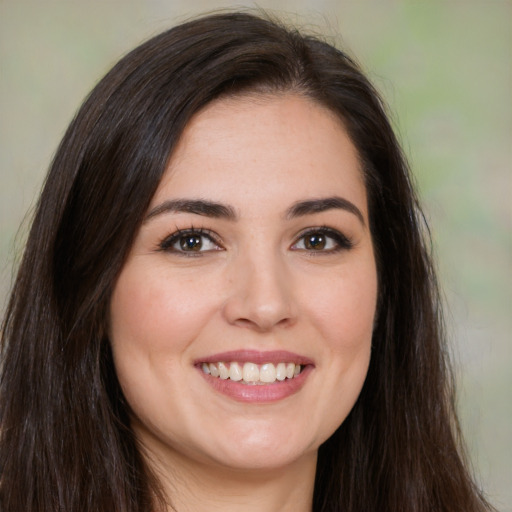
(154, 319)
(345, 317)
(153, 313)
(344, 309)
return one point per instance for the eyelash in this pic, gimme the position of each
(341, 241)
(167, 243)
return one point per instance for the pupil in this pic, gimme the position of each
(191, 243)
(316, 241)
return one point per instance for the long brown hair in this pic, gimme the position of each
(66, 440)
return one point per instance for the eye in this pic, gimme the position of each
(322, 240)
(190, 241)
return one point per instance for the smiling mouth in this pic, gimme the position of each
(252, 373)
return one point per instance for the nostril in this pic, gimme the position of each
(262, 325)
(244, 322)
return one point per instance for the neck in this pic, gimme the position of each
(191, 486)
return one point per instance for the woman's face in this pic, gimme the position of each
(241, 323)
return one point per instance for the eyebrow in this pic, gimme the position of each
(212, 209)
(197, 206)
(311, 206)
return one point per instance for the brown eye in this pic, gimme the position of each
(191, 243)
(322, 240)
(315, 241)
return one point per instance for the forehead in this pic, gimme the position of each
(264, 146)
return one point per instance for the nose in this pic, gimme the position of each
(260, 295)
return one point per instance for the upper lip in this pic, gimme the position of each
(256, 356)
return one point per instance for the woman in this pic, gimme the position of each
(226, 301)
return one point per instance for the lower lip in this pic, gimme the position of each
(258, 393)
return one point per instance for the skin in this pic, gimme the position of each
(255, 286)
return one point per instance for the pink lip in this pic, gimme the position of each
(257, 357)
(257, 393)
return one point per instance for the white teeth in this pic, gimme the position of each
(268, 373)
(251, 373)
(281, 371)
(223, 371)
(235, 372)
(214, 371)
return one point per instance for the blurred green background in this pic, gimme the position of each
(445, 69)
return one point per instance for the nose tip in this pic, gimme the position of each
(262, 319)
(260, 300)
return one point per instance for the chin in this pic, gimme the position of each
(264, 460)
(264, 448)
